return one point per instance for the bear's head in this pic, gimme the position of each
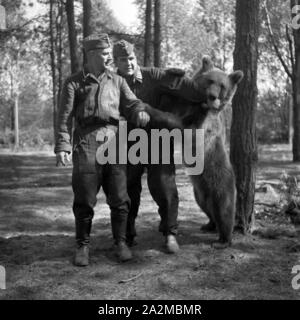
(218, 85)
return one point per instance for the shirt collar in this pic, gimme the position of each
(87, 74)
(137, 76)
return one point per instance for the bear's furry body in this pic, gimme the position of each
(214, 189)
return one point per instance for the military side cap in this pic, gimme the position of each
(122, 48)
(96, 41)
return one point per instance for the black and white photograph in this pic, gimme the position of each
(149, 151)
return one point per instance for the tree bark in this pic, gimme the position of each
(16, 116)
(12, 113)
(59, 48)
(16, 103)
(296, 91)
(148, 34)
(2, 17)
(243, 151)
(53, 64)
(87, 9)
(157, 33)
(72, 36)
(291, 121)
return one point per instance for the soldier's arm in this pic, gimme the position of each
(131, 107)
(64, 118)
(173, 81)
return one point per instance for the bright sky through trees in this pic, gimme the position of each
(125, 11)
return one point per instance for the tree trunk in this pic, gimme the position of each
(157, 33)
(243, 151)
(16, 116)
(59, 48)
(12, 112)
(53, 64)
(72, 36)
(148, 25)
(16, 103)
(291, 125)
(2, 17)
(296, 116)
(87, 9)
(296, 91)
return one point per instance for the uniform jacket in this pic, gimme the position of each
(93, 103)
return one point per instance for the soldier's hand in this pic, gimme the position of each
(143, 119)
(62, 157)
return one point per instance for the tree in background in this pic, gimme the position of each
(148, 33)
(14, 41)
(217, 29)
(157, 33)
(104, 20)
(87, 25)
(285, 42)
(10, 66)
(53, 62)
(57, 38)
(24, 76)
(191, 29)
(296, 86)
(243, 148)
(43, 45)
(72, 36)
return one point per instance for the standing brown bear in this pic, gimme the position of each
(214, 188)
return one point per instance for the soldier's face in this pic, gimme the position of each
(99, 59)
(126, 65)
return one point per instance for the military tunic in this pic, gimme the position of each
(95, 104)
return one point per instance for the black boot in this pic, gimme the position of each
(118, 223)
(83, 230)
(171, 244)
(130, 241)
(82, 256)
(122, 251)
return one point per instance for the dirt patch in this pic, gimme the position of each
(37, 243)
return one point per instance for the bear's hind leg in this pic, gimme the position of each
(201, 200)
(224, 216)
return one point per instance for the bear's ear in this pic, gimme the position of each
(207, 64)
(236, 77)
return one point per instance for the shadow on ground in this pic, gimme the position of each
(37, 246)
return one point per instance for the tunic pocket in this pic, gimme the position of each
(87, 102)
(84, 154)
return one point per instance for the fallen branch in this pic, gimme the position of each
(131, 279)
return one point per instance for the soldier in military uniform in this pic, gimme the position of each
(160, 177)
(97, 99)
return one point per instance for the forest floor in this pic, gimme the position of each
(37, 241)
